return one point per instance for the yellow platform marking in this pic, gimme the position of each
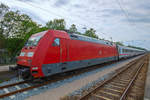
(101, 97)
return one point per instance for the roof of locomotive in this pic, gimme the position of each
(75, 36)
(89, 39)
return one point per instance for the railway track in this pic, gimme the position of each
(5, 89)
(126, 84)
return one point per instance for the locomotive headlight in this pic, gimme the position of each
(34, 68)
(22, 53)
(30, 54)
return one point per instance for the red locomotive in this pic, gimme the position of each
(53, 51)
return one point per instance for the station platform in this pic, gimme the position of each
(6, 74)
(6, 67)
(147, 85)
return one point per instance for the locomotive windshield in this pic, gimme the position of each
(33, 41)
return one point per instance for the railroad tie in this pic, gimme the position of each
(100, 97)
(7, 91)
(113, 89)
(18, 88)
(112, 94)
(117, 86)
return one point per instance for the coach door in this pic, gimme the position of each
(63, 53)
(55, 50)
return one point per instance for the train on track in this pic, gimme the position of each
(54, 51)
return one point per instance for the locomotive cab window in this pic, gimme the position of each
(56, 42)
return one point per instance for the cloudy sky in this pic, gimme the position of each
(127, 21)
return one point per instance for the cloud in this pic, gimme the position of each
(112, 12)
(138, 17)
(105, 16)
(60, 3)
(141, 20)
(78, 6)
(25, 0)
(144, 5)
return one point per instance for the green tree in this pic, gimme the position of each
(119, 43)
(73, 28)
(15, 29)
(15, 25)
(91, 33)
(57, 24)
(3, 10)
(2, 41)
(78, 33)
(13, 46)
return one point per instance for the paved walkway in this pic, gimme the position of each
(5, 67)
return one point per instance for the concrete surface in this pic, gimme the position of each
(58, 92)
(5, 74)
(5, 67)
(147, 85)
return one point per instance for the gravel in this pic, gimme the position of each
(89, 85)
(13, 80)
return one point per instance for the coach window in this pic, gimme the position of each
(56, 42)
